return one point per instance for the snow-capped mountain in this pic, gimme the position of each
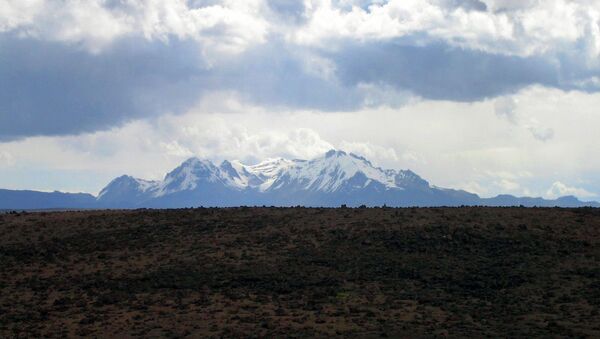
(332, 179)
(272, 181)
(127, 189)
(337, 171)
(188, 176)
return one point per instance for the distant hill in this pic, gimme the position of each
(330, 180)
(10, 199)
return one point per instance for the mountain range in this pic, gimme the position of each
(331, 180)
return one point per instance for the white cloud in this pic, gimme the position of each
(226, 139)
(507, 27)
(174, 148)
(541, 133)
(375, 95)
(17, 13)
(228, 26)
(558, 189)
(82, 22)
(473, 187)
(319, 66)
(6, 159)
(224, 27)
(370, 151)
(508, 186)
(505, 108)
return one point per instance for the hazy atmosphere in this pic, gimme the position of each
(490, 96)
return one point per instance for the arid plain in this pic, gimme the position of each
(301, 272)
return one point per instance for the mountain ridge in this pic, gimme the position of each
(333, 179)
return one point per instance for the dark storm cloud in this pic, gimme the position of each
(58, 89)
(276, 75)
(439, 72)
(53, 89)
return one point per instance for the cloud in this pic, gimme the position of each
(505, 108)
(288, 11)
(473, 187)
(450, 144)
(174, 148)
(522, 28)
(507, 185)
(220, 26)
(49, 89)
(188, 135)
(456, 50)
(541, 133)
(371, 151)
(88, 23)
(440, 72)
(558, 189)
(470, 5)
(71, 67)
(6, 159)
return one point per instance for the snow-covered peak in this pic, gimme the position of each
(126, 185)
(197, 164)
(247, 175)
(326, 173)
(408, 178)
(186, 176)
(235, 174)
(241, 176)
(228, 169)
(329, 172)
(271, 167)
(334, 153)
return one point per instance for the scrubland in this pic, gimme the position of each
(301, 272)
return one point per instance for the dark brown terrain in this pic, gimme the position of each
(286, 272)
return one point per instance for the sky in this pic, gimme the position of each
(490, 96)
